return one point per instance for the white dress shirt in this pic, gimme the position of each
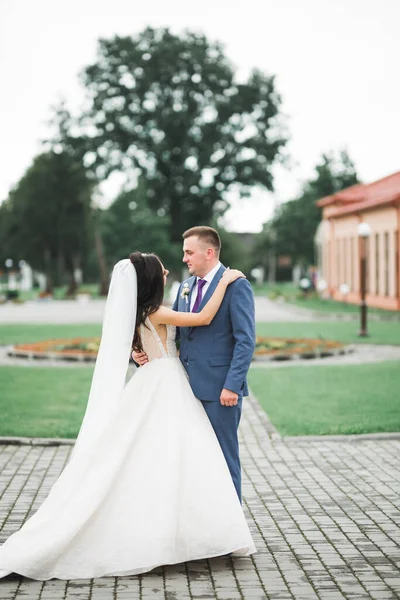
(209, 277)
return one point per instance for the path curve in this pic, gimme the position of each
(72, 311)
(363, 354)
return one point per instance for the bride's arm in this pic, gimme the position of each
(167, 316)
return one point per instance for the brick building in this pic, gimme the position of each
(338, 245)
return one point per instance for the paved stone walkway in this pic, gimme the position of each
(71, 311)
(325, 516)
(53, 311)
(362, 354)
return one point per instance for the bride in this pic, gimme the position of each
(147, 483)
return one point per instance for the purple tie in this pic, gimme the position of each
(200, 284)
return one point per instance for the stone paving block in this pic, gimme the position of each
(199, 588)
(8, 589)
(127, 584)
(256, 595)
(154, 583)
(75, 595)
(335, 595)
(228, 594)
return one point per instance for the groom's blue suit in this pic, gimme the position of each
(218, 356)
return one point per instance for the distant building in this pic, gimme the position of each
(378, 204)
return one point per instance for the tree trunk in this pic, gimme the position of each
(73, 285)
(272, 267)
(104, 279)
(48, 272)
(296, 274)
(60, 269)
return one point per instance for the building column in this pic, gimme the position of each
(331, 258)
(397, 259)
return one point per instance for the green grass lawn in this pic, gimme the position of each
(43, 401)
(381, 332)
(303, 400)
(285, 289)
(17, 334)
(313, 302)
(330, 400)
(60, 293)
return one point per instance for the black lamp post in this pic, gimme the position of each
(364, 231)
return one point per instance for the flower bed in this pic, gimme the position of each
(79, 349)
(267, 348)
(293, 348)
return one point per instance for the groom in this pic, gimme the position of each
(218, 356)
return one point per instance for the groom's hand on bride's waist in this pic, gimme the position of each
(228, 398)
(140, 358)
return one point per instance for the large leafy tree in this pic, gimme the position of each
(68, 139)
(129, 225)
(8, 245)
(292, 229)
(169, 107)
(48, 216)
(235, 253)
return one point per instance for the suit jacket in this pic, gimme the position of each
(218, 355)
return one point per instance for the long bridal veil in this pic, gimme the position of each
(113, 357)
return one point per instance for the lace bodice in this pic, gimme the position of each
(153, 345)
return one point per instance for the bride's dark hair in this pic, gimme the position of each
(150, 284)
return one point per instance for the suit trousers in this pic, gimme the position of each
(225, 422)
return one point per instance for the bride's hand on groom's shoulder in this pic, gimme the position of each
(230, 275)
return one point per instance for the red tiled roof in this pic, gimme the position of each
(363, 196)
(350, 194)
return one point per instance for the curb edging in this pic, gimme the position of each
(26, 441)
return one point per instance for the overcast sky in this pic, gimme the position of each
(336, 64)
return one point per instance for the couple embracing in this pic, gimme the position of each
(154, 477)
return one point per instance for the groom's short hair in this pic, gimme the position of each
(207, 234)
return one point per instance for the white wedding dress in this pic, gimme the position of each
(154, 489)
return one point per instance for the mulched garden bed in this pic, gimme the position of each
(78, 349)
(294, 348)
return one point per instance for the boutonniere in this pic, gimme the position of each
(185, 292)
